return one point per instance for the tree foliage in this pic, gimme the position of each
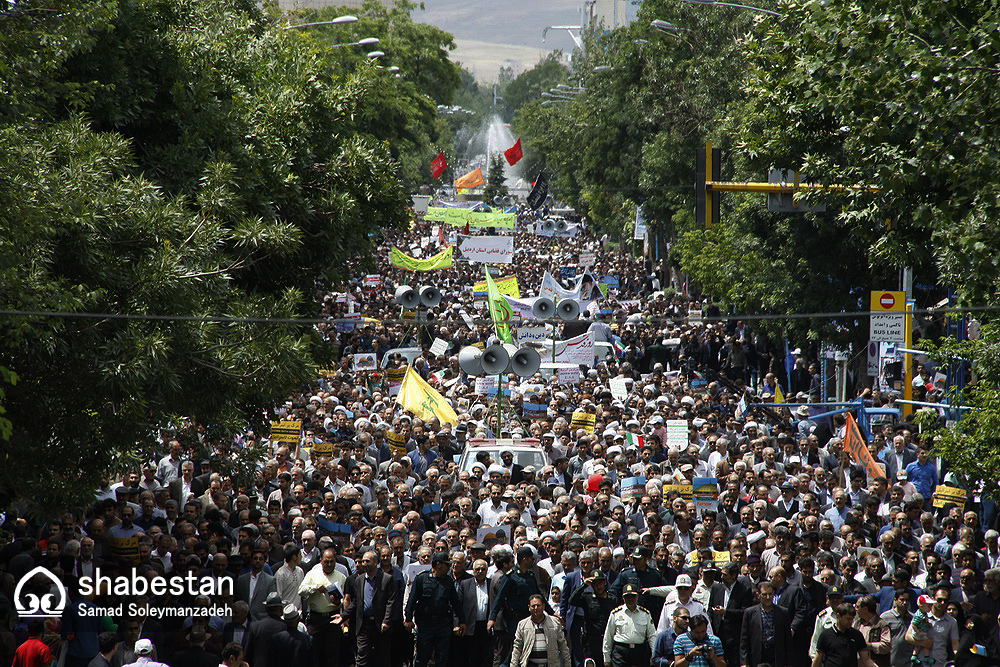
(972, 447)
(897, 95)
(167, 159)
(495, 177)
(401, 110)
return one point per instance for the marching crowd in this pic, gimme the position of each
(343, 549)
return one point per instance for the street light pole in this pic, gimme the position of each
(340, 20)
(730, 4)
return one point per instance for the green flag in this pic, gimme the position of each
(499, 310)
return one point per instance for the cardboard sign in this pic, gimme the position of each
(397, 443)
(286, 431)
(685, 490)
(364, 361)
(322, 449)
(394, 378)
(439, 347)
(633, 487)
(618, 388)
(584, 420)
(944, 495)
(569, 376)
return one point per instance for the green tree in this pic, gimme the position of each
(972, 447)
(495, 179)
(916, 119)
(402, 108)
(167, 159)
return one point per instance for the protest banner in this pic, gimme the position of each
(578, 350)
(677, 434)
(584, 420)
(685, 490)
(364, 361)
(439, 347)
(619, 390)
(705, 491)
(633, 487)
(506, 285)
(401, 260)
(460, 217)
(485, 249)
(944, 495)
(569, 376)
(397, 444)
(286, 431)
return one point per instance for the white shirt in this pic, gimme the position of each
(482, 600)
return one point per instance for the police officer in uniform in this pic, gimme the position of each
(514, 593)
(631, 633)
(597, 605)
(435, 605)
(641, 576)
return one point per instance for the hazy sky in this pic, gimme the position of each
(491, 33)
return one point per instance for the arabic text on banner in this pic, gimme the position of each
(401, 260)
(577, 350)
(506, 285)
(286, 431)
(459, 217)
(584, 420)
(485, 249)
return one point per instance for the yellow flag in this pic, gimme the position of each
(422, 400)
(779, 397)
(401, 260)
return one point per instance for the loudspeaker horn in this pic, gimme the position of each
(568, 309)
(494, 360)
(561, 226)
(469, 358)
(548, 226)
(407, 297)
(543, 308)
(525, 362)
(430, 296)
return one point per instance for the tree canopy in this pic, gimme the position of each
(168, 159)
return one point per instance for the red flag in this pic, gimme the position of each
(514, 153)
(438, 166)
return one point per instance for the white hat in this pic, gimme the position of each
(143, 647)
(753, 538)
(750, 425)
(683, 580)
(687, 400)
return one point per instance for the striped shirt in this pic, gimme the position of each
(540, 649)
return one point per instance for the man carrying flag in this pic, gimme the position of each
(500, 310)
(854, 444)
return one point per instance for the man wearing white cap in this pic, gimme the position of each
(144, 653)
(678, 595)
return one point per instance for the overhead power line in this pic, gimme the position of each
(225, 319)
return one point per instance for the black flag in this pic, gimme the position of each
(538, 192)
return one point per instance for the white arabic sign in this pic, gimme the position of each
(485, 249)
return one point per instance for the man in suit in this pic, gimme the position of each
(263, 632)
(238, 629)
(727, 602)
(186, 487)
(758, 647)
(373, 596)
(196, 655)
(796, 603)
(255, 586)
(898, 456)
(477, 645)
(571, 613)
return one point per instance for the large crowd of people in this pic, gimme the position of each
(361, 540)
